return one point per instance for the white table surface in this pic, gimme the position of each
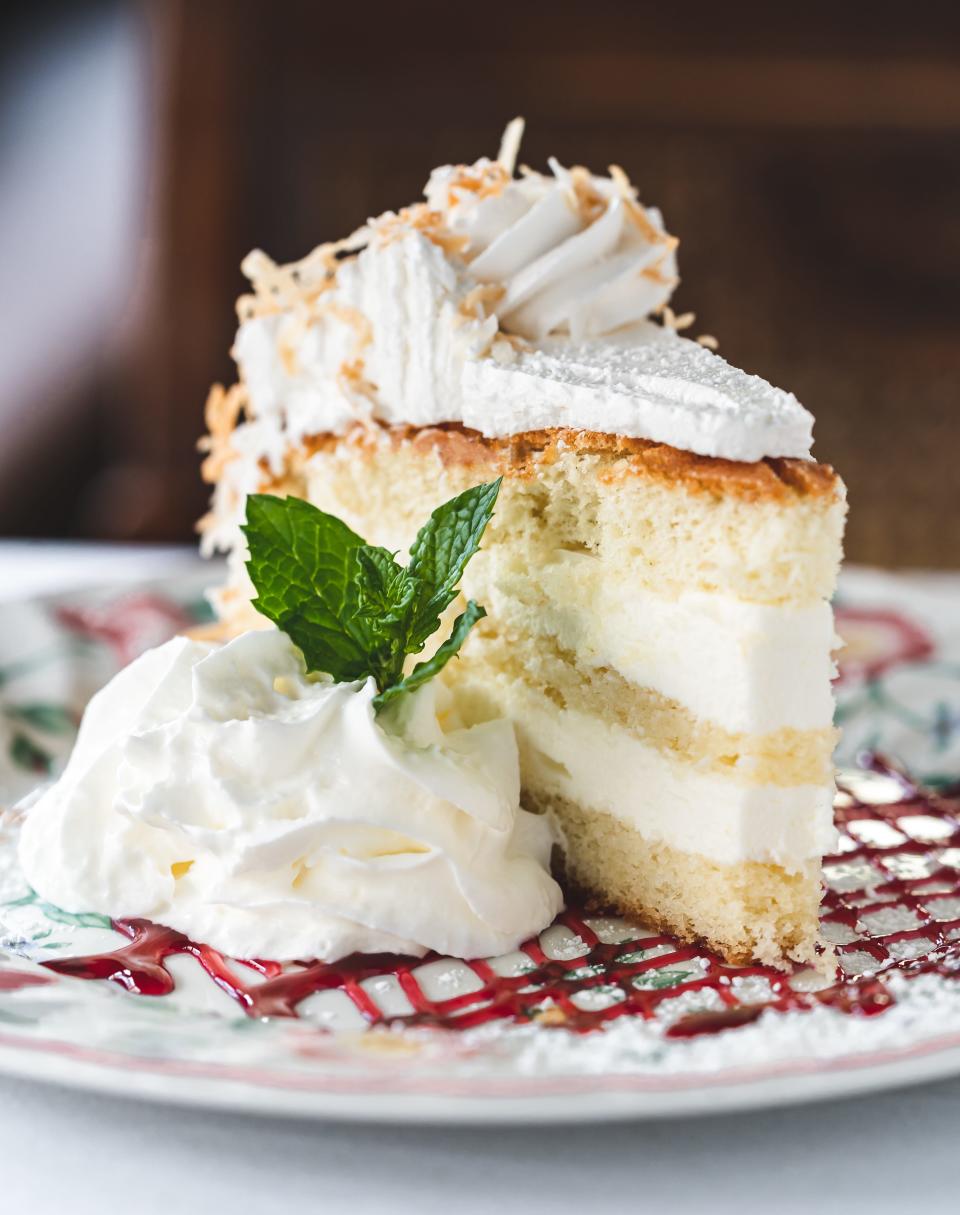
(68, 1153)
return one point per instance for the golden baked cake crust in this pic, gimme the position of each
(774, 479)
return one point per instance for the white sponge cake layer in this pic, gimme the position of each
(663, 519)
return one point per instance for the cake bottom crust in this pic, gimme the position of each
(749, 912)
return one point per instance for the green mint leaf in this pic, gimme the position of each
(386, 597)
(386, 590)
(441, 551)
(304, 565)
(433, 665)
(350, 607)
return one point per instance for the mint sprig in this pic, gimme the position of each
(349, 606)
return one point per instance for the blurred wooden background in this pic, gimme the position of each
(808, 157)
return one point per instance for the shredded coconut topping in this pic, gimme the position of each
(510, 144)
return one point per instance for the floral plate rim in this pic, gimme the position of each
(553, 1100)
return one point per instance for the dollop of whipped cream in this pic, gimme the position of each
(226, 793)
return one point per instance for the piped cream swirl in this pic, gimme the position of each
(224, 792)
(572, 252)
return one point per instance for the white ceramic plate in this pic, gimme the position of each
(196, 1045)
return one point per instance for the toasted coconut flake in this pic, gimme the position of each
(290, 334)
(258, 266)
(288, 358)
(355, 318)
(221, 414)
(475, 303)
(656, 275)
(355, 386)
(419, 218)
(484, 179)
(674, 322)
(519, 343)
(625, 187)
(708, 340)
(590, 202)
(351, 376)
(248, 306)
(325, 258)
(637, 212)
(510, 144)
(506, 346)
(277, 288)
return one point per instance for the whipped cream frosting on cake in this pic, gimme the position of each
(221, 791)
(504, 304)
(659, 570)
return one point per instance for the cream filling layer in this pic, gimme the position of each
(602, 766)
(751, 668)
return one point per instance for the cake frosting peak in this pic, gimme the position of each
(571, 252)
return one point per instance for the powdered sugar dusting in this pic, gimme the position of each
(925, 1009)
(649, 382)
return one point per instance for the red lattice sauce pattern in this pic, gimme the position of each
(892, 902)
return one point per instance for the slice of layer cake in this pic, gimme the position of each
(658, 572)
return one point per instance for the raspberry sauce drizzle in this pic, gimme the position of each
(908, 883)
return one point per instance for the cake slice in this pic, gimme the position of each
(658, 573)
